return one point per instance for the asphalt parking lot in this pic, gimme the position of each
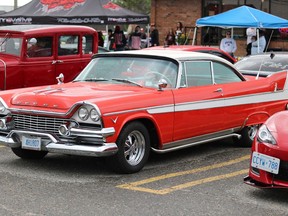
(202, 180)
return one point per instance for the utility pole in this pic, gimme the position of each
(15, 4)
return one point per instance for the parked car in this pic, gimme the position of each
(125, 104)
(33, 55)
(102, 49)
(202, 49)
(263, 65)
(269, 156)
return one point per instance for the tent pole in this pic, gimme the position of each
(194, 35)
(258, 43)
(269, 40)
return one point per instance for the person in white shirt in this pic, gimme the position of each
(262, 44)
(228, 44)
(250, 32)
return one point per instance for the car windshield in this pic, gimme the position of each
(140, 71)
(269, 63)
(10, 45)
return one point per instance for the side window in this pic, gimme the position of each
(198, 73)
(68, 45)
(39, 47)
(87, 43)
(183, 80)
(224, 74)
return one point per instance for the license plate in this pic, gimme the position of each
(265, 162)
(33, 143)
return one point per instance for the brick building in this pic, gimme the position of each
(166, 13)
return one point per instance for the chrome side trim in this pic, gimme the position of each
(174, 146)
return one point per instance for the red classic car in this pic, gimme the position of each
(124, 104)
(202, 49)
(269, 156)
(33, 55)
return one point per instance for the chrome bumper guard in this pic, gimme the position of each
(54, 144)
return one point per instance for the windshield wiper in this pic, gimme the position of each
(127, 81)
(91, 80)
(6, 37)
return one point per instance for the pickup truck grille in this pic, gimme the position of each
(38, 123)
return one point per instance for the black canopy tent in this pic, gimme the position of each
(89, 12)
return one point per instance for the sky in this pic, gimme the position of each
(11, 2)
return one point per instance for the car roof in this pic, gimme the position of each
(184, 47)
(174, 54)
(34, 29)
(195, 48)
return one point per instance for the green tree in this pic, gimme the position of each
(143, 6)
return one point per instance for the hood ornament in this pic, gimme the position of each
(60, 78)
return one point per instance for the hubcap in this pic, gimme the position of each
(134, 148)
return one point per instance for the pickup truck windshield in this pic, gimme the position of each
(10, 45)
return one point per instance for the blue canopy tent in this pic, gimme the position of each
(242, 17)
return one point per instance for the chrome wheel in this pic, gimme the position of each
(134, 148)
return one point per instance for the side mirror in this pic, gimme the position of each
(162, 83)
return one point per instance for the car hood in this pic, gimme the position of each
(8, 59)
(64, 96)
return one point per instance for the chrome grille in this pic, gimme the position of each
(38, 123)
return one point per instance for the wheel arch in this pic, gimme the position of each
(256, 118)
(151, 126)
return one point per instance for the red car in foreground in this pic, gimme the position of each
(202, 49)
(269, 157)
(125, 104)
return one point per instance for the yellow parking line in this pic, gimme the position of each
(135, 185)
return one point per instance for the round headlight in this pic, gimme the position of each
(83, 113)
(94, 115)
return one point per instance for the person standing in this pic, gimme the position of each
(136, 38)
(119, 39)
(251, 34)
(178, 32)
(262, 44)
(228, 44)
(170, 38)
(154, 35)
(100, 39)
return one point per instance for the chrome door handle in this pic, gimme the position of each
(219, 90)
(57, 61)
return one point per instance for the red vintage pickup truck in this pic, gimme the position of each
(34, 55)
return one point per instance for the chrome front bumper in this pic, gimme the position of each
(54, 144)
